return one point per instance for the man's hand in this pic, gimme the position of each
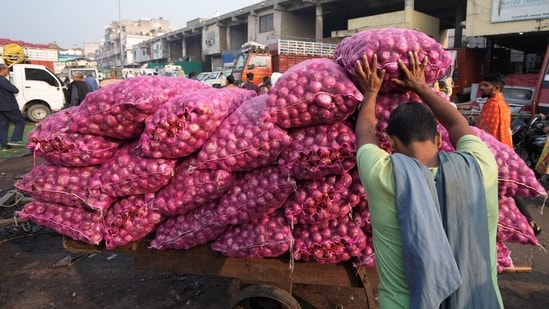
(413, 76)
(369, 79)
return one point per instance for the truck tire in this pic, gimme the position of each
(37, 112)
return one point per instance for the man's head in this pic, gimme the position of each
(409, 123)
(4, 70)
(250, 76)
(491, 84)
(77, 75)
(230, 79)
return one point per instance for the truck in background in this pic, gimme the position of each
(264, 60)
(83, 65)
(41, 92)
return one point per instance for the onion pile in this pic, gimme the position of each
(269, 236)
(196, 227)
(79, 223)
(180, 127)
(55, 142)
(320, 150)
(245, 140)
(191, 187)
(315, 91)
(248, 174)
(130, 218)
(391, 45)
(119, 110)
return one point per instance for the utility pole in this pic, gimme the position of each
(120, 35)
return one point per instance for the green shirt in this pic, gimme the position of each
(376, 172)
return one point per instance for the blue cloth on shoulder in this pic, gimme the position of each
(431, 269)
(444, 229)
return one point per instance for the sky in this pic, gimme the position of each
(71, 23)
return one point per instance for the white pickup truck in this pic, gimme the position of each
(41, 92)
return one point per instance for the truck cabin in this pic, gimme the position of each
(254, 58)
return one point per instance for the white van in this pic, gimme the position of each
(41, 92)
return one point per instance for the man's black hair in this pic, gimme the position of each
(412, 122)
(495, 78)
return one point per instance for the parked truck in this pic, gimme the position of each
(41, 92)
(264, 60)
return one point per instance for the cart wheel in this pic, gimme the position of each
(264, 297)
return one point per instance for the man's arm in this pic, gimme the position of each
(370, 81)
(414, 79)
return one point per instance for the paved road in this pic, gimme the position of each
(529, 290)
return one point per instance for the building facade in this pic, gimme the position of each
(212, 40)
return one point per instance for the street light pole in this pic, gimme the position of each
(120, 34)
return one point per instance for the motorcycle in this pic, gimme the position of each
(529, 139)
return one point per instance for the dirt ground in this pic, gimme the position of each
(31, 279)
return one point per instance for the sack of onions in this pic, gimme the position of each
(55, 141)
(191, 187)
(391, 45)
(367, 257)
(196, 227)
(129, 219)
(319, 150)
(270, 236)
(119, 110)
(58, 184)
(314, 91)
(180, 126)
(319, 200)
(513, 225)
(245, 140)
(128, 172)
(254, 195)
(79, 223)
(329, 242)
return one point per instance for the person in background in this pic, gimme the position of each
(77, 89)
(250, 83)
(230, 81)
(495, 119)
(91, 81)
(9, 112)
(265, 85)
(495, 116)
(434, 214)
(223, 80)
(192, 75)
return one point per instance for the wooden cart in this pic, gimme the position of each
(271, 280)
